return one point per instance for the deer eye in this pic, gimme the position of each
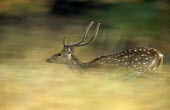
(59, 54)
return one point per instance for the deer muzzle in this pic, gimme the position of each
(49, 61)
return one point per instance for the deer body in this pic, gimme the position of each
(136, 61)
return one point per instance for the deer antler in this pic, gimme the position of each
(93, 37)
(85, 36)
(64, 41)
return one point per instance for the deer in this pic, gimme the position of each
(135, 60)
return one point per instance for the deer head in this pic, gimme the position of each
(65, 54)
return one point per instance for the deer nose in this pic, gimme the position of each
(48, 60)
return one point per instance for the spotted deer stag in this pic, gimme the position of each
(136, 60)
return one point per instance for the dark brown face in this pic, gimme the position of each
(63, 56)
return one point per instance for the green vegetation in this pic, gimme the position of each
(139, 19)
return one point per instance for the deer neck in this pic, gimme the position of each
(75, 63)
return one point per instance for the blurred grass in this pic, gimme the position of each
(28, 82)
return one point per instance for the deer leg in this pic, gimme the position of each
(156, 66)
(133, 74)
(160, 62)
(153, 66)
(127, 77)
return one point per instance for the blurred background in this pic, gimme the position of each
(32, 30)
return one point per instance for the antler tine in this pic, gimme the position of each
(93, 37)
(85, 35)
(64, 41)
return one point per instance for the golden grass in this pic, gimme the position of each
(28, 82)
